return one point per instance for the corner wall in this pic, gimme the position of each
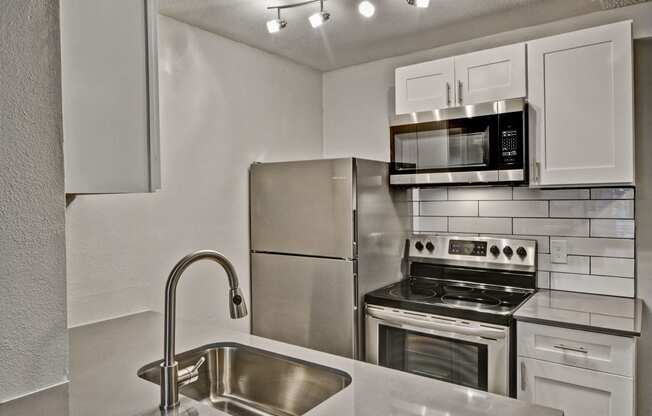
(33, 334)
(223, 106)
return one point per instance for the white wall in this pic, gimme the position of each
(358, 100)
(33, 334)
(223, 106)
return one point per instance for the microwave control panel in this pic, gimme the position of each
(509, 145)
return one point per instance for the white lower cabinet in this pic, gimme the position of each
(580, 372)
(576, 391)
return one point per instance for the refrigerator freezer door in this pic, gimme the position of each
(304, 301)
(303, 207)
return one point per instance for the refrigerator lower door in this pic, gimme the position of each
(305, 301)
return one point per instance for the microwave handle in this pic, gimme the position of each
(460, 87)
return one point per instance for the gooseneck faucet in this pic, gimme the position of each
(171, 377)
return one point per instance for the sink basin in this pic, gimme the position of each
(246, 381)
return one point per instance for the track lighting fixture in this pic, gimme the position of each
(316, 19)
(275, 25)
(422, 4)
(366, 8)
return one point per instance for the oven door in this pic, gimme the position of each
(452, 350)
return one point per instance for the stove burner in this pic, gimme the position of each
(413, 292)
(470, 300)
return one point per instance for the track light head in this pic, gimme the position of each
(318, 18)
(275, 25)
(366, 8)
(422, 4)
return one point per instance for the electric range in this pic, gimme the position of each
(451, 317)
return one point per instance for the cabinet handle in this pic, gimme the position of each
(448, 94)
(459, 91)
(523, 386)
(574, 349)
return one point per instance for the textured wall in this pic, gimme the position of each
(643, 105)
(33, 334)
(223, 106)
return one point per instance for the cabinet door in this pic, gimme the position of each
(110, 95)
(576, 391)
(424, 87)
(489, 75)
(580, 96)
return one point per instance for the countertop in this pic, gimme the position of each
(105, 357)
(597, 313)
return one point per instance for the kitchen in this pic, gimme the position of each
(224, 105)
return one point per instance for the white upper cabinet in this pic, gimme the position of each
(488, 75)
(425, 86)
(580, 94)
(110, 95)
(491, 74)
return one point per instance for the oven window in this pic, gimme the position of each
(448, 359)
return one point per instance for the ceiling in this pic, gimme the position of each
(349, 39)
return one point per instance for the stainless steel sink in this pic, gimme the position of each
(246, 381)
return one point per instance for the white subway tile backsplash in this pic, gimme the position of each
(601, 285)
(449, 208)
(543, 280)
(597, 223)
(480, 193)
(513, 208)
(432, 194)
(592, 209)
(609, 266)
(612, 193)
(613, 228)
(552, 226)
(528, 193)
(608, 247)
(430, 224)
(574, 264)
(480, 225)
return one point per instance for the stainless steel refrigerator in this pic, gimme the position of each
(323, 233)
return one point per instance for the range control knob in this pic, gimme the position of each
(494, 250)
(429, 246)
(508, 251)
(418, 245)
(521, 252)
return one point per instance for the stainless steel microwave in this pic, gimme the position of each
(481, 144)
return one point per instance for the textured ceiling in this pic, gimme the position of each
(348, 38)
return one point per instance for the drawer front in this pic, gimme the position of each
(591, 350)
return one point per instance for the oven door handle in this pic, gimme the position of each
(395, 319)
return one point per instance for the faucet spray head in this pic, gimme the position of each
(237, 305)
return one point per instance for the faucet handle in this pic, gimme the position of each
(191, 373)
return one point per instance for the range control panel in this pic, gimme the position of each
(499, 253)
(467, 247)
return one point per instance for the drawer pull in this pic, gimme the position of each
(574, 349)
